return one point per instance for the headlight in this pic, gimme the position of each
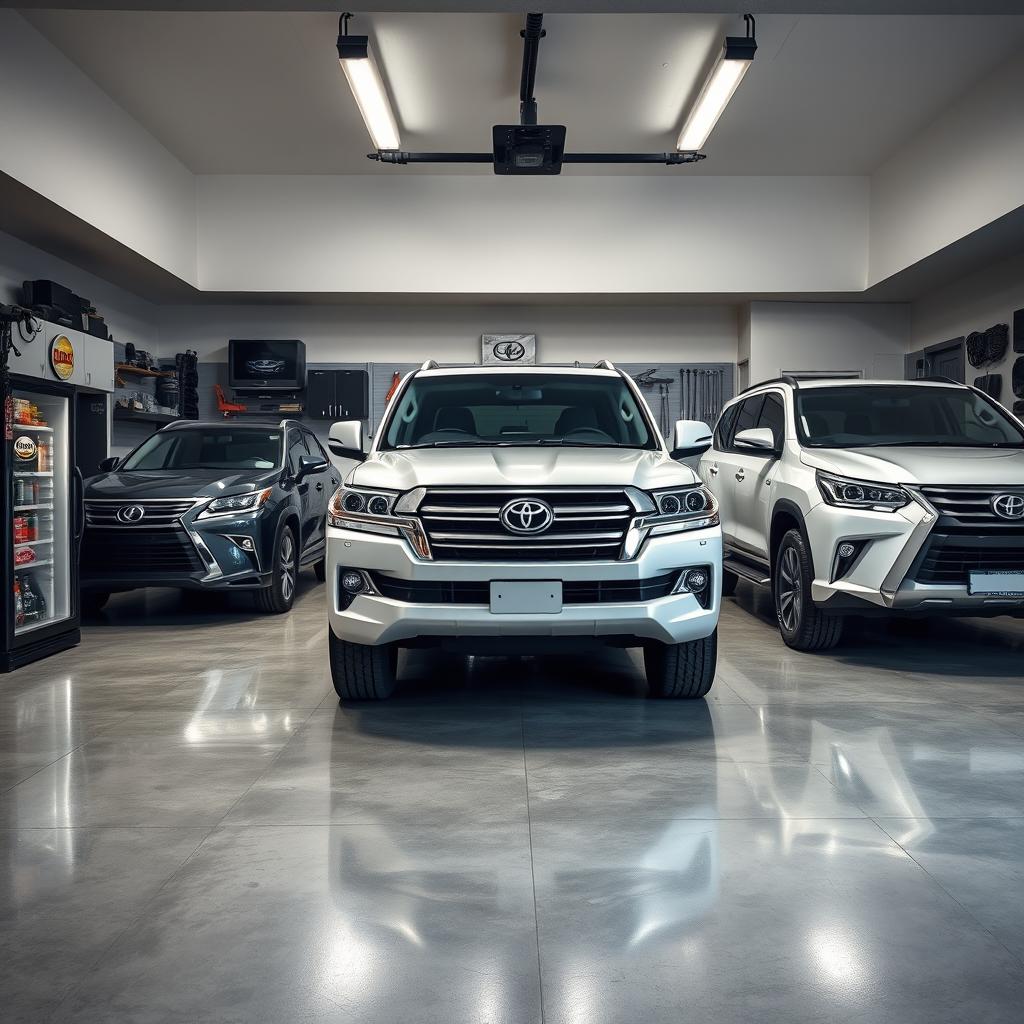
(353, 508)
(682, 508)
(846, 493)
(236, 504)
(351, 504)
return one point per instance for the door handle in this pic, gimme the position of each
(713, 470)
(320, 487)
(740, 475)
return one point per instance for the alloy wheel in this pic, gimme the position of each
(287, 566)
(790, 590)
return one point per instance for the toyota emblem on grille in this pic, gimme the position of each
(130, 514)
(1008, 506)
(527, 515)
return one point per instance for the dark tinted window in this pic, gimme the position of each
(296, 449)
(773, 416)
(902, 414)
(314, 446)
(750, 411)
(723, 432)
(217, 448)
(463, 410)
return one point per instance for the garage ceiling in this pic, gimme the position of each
(261, 93)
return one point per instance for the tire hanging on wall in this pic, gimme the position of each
(1018, 377)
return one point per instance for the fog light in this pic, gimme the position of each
(353, 582)
(695, 579)
(847, 550)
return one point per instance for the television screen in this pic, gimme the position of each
(266, 365)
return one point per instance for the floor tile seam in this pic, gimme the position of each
(1017, 958)
(270, 765)
(137, 917)
(533, 871)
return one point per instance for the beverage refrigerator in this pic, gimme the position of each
(52, 425)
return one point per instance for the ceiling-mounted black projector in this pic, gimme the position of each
(528, 148)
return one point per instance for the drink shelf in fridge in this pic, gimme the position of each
(34, 426)
(32, 508)
(33, 472)
(33, 565)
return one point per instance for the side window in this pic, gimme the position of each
(296, 449)
(723, 432)
(750, 412)
(773, 416)
(314, 445)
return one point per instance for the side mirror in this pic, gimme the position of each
(311, 464)
(759, 438)
(690, 437)
(346, 440)
(109, 465)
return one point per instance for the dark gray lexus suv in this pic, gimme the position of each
(209, 506)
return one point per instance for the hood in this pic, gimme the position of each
(922, 465)
(521, 467)
(192, 483)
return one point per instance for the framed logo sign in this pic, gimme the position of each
(508, 349)
(62, 357)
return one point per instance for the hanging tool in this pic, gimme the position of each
(396, 379)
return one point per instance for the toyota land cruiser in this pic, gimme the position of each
(507, 510)
(870, 497)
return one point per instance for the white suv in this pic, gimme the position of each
(870, 496)
(506, 510)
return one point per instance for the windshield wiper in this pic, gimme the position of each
(446, 444)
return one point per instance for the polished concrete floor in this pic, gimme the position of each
(191, 829)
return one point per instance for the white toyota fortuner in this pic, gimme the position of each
(510, 509)
(870, 497)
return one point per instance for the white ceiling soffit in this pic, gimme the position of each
(263, 94)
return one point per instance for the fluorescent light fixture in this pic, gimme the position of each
(736, 57)
(368, 89)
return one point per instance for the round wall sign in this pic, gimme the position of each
(62, 357)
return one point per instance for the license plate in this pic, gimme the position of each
(526, 597)
(996, 584)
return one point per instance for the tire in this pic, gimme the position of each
(684, 671)
(280, 595)
(92, 602)
(320, 570)
(729, 581)
(362, 672)
(803, 625)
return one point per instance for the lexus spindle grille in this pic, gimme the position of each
(120, 512)
(464, 524)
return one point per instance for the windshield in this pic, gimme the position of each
(517, 409)
(893, 414)
(207, 449)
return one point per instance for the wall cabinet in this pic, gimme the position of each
(337, 394)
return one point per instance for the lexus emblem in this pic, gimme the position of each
(1008, 506)
(509, 351)
(130, 514)
(527, 515)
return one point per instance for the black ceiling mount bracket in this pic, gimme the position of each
(529, 147)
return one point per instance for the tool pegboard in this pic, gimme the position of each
(692, 391)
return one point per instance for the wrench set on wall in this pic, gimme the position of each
(703, 393)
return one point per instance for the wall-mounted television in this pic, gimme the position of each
(255, 365)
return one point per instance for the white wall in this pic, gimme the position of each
(66, 139)
(128, 317)
(391, 232)
(451, 333)
(798, 336)
(958, 174)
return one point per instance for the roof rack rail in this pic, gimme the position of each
(431, 364)
(939, 379)
(604, 364)
(786, 378)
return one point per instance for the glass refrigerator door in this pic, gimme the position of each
(42, 510)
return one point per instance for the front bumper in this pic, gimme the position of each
(373, 619)
(881, 578)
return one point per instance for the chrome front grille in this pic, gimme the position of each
(970, 507)
(157, 513)
(463, 524)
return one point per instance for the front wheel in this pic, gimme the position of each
(360, 671)
(681, 670)
(729, 581)
(803, 625)
(280, 595)
(320, 570)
